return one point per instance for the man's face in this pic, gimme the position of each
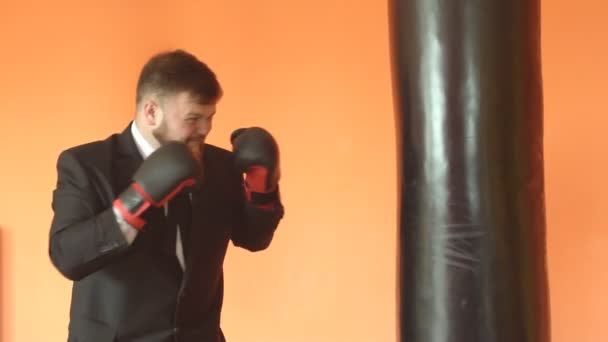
(184, 119)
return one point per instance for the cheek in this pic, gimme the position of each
(179, 131)
(191, 130)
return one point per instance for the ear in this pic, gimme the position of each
(152, 113)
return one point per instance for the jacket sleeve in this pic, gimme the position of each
(83, 236)
(255, 226)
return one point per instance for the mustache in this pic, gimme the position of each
(196, 139)
(196, 145)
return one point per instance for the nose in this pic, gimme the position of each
(203, 127)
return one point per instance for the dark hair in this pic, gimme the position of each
(175, 71)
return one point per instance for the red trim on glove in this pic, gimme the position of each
(186, 183)
(133, 219)
(256, 177)
(255, 181)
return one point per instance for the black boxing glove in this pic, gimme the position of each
(167, 171)
(256, 154)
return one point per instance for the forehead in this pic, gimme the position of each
(188, 104)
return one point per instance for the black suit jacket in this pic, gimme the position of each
(134, 292)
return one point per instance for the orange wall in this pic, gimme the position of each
(312, 72)
(575, 55)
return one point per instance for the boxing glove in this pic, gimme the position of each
(256, 154)
(165, 173)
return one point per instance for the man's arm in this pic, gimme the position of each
(83, 238)
(256, 154)
(255, 229)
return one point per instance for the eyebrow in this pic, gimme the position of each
(194, 114)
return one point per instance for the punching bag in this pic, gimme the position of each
(468, 102)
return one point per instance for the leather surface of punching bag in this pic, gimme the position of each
(468, 99)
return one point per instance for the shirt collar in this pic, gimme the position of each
(143, 146)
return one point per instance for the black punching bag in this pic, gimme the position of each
(468, 99)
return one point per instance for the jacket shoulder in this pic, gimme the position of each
(92, 161)
(218, 156)
(217, 152)
(220, 163)
(93, 152)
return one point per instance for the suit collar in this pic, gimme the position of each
(128, 158)
(127, 147)
(143, 146)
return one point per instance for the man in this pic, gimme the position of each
(142, 219)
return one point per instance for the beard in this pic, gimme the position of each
(194, 143)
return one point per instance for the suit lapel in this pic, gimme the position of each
(128, 159)
(200, 213)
